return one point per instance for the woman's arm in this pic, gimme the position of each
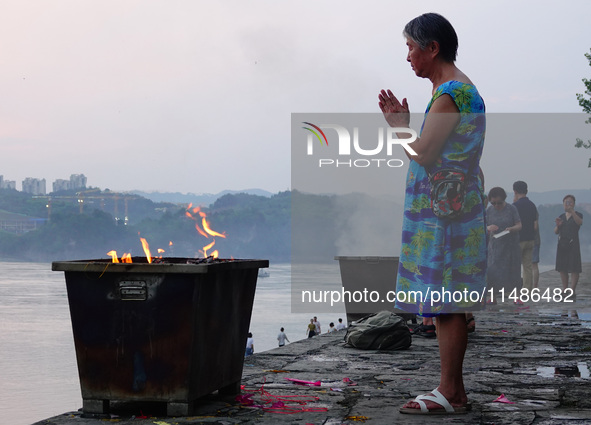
(515, 228)
(578, 220)
(442, 119)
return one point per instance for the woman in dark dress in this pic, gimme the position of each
(568, 253)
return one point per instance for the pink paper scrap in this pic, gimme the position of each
(503, 399)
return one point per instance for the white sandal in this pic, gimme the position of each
(438, 398)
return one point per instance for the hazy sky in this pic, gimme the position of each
(196, 96)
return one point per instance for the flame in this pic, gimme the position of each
(208, 230)
(113, 255)
(204, 230)
(146, 249)
(206, 247)
(192, 217)
(201, 231)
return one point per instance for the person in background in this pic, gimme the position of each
(535, 256)
(504, 252)
(282, 337)
(317, 324)
(528, 214)
(426, 329)
(340, 325)
(568, 252)
(331, 327)
(311, 331)
(249, 345)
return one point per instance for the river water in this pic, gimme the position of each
(38, 374)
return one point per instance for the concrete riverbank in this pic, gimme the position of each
(537, 355)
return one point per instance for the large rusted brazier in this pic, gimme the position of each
(168, 332)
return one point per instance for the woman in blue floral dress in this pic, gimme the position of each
(442, 255)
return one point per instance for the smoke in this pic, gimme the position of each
(368, 226)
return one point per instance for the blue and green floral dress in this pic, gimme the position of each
(442, 255)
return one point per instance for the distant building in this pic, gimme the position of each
(19, 223)
(61, 184)
(77, 181)
(34, 186)
(9, 184)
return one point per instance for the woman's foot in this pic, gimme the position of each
(436, 403)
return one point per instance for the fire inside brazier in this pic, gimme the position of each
(168, 331)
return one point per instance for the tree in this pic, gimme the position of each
(585, 103)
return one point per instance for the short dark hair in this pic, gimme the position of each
(433, 27)
(497, 192)
(570, 196)
(520, 187)
(282, 329)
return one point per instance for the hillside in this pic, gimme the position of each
(284, 227)
(255, 226)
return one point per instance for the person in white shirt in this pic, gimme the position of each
(282, 338)
(340, 325)
(331, 328)
(317, 324)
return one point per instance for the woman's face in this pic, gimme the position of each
(420, 60)
(568, 204)
(498, 203)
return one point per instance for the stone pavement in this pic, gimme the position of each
(538, 356)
